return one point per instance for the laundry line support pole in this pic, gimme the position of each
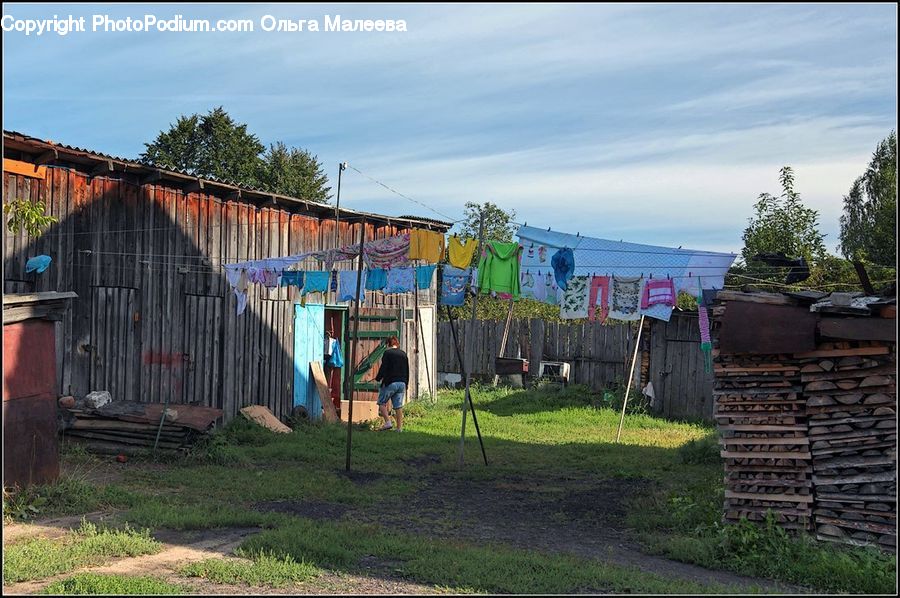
(468, 396)
(467, 371)
(637, 347)
(505, 338)
(349, 380)
(416, 331)
(425, 355)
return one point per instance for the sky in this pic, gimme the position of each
(656, 124)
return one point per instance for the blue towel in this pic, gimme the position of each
(376, 280)
(563, 263)
(291, 277)
(424, 275)
(38, 264)
(316, 282)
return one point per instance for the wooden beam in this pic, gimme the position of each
(864, 278)
(47, 157)
(151, 178)
(234, 195)
(194, 186)
(104, 167)
(24, 168)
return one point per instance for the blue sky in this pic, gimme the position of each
(650, 123)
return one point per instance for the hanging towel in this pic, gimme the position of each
(400, 280)
(347, 285)
(526, 285)
(336, 360)
(599, 300)
(387, 253)
(426, 245)
(563, 263)
(575, 298)
(376, 279)
(453, 285)
(658, 292)
(316, 282)
(292, 278)
(545, 288)
(424, 274)
(625, 298)
(241, 301)
(498, 269)
(461, 252)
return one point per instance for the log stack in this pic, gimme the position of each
(762, 419)
(851, 403)
(807, 417)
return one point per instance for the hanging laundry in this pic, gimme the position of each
(347, 285)
(599, 299)
(575, 298)
(453, 285)
(563, 263)
(545, 288)
(426, 245)
(292, 278)
(38, 264)
(534, 255)
(400, 280)
(270, 278)
(315, 282)
(336, 360)
(526, 285)
(625, 298)
(387, 253)
(498, 269)
(424, 274)
(658, 292)
(330, 256)
(241, 301)
(703, 320)
(233, 274)
(460, 252)
(376, 279)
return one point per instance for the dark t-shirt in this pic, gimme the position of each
(394, 367)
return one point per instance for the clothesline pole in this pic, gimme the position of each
(425, 355)
(416, 331)
(349, 382)
(637, 346)
(505, 337)
(468, 396)
(468, 369)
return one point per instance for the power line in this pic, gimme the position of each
(392, 190)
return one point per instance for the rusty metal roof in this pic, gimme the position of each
(48, 152)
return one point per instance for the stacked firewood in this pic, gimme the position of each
(851, 405)
(761, 415)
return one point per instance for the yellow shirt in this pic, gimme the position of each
(426, 245)
(460, 252)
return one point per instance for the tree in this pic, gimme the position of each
(294, 172)
(28, 216)
(498, 225)
(782, 224)
(215, 145)
(868, 225)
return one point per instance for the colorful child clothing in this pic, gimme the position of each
(316, 282)
(453, 285)
(625, 298)
(376, 279)
(426, 245)
(387, 253)
(599, 299)
(545, 288)
(658, 292)
(460, 252)
(424, 274)
(347, 285)
(575, 298)
(526, 285)
(498, 269)
(400, 280)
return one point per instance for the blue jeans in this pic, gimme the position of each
(393, 392)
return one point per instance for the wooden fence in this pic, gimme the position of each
(600, 356)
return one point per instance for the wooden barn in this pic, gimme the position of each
(155, 319)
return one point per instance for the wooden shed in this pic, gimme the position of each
(143, 249)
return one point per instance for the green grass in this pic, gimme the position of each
(39, 558)
(259, 569)
(71, 495)
(455, 564)
(95, 584)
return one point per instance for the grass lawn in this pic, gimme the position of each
(541, 517)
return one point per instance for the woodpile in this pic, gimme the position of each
(807, 418)
(851, 403)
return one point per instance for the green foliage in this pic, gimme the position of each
(869, 221)
(686, 302)
(215, 145)
(782, 224)
(498, 223)
(700, 452)
(94, 584)
(69, 495)
(493, 308)
(262, 569)
(28, 216)
(38, 558)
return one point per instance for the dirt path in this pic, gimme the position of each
(51, 528)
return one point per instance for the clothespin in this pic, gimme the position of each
(690, 274)
(651, 276)
(526, 223)
(548, 229)
(577, 234)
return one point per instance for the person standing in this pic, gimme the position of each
(394, 377)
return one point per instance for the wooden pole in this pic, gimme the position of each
(637, 347)
(425, 355)
(416, 331)
(505, 336)
(468, 369)
(468, 397)
(348, 382)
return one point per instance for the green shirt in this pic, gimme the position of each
(498, 269)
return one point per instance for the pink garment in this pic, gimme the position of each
(658, 292)
(599, 298)
(387, 253)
